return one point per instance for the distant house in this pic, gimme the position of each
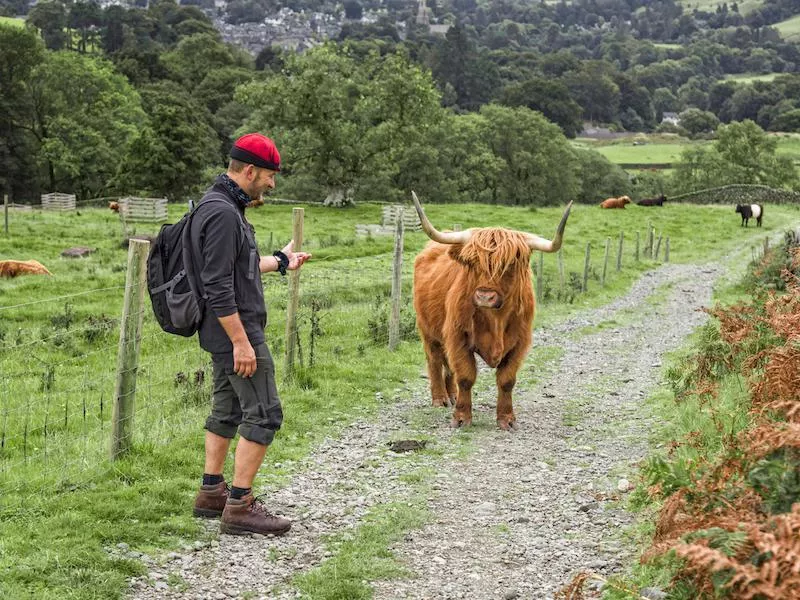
(671, 118)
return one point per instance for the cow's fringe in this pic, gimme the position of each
(499, 252)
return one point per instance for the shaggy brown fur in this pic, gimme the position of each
(12, 268)
(615, 202)
(453, 328)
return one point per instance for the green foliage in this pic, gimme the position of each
(742, 153)
(599, 177)
(378, 322)
(697, 122)
(727, 542)
(671, 475)
(768, 273)
(169, 155)
(711, 356)
(777, 479)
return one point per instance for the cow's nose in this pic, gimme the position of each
(487, 298)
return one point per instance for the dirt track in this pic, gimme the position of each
(511, 515)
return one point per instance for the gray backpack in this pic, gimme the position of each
(176, 293)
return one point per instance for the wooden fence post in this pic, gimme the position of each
(766, 242)
(585, 285)
(636, 253)
(294, 296)
(658, 247)
(130, 335)
(605, 262)
(619, 250)
(397, 281)
(666, 251)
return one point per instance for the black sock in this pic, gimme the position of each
(212, 479)
(238, 493)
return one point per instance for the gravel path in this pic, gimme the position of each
(511, 515)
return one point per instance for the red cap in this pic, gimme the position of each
(258, 150)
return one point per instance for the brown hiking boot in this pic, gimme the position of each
(211, 499)
(249, 515)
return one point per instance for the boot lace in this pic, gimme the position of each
(259, 504)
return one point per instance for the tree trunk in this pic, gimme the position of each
(339, 196)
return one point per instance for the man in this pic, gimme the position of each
(229, 267)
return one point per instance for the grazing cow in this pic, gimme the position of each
(653, 201)
(114, 206)
(473, 294)
(750, 211)
(615, 202)
(13, 268)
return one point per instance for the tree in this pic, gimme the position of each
(538, 165)
(696, 121)
(742, 153)
(21, 51)
(664, 101)
(170, 154)
(85, 17)
(85, 116)
(788, 121)
(549, 97)
(457, 61)
(599, 177)
(51, 19)
(595, 92)
(338, 121)
(353, 10)
(195, 56)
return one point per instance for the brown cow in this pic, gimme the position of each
(13, 268)
(114, 206)
(473, 294)
(615, 202)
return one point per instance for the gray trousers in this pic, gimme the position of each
(249, 404)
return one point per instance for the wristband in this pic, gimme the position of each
(283, 261)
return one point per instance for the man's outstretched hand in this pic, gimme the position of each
(296, 259)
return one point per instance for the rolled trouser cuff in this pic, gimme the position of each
(226, 430)
(256, 434)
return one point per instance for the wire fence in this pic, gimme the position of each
(61, 368)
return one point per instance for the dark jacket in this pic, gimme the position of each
(226, 260)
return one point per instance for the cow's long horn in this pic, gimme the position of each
(543, 245)
(443, 237)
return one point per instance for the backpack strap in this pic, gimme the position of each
(194, 281)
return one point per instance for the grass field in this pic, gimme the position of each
(64, 504)
(790, 28)
(711, 5)
(751, 77)
(12, 21)
(658, 149)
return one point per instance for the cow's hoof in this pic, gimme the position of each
(507, 425)
(457, 422)
(440, 402)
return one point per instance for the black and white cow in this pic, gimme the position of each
(750, 211)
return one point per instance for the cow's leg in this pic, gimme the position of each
(450, 385)
(506, 377)
(464, 371)
(436, 372)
